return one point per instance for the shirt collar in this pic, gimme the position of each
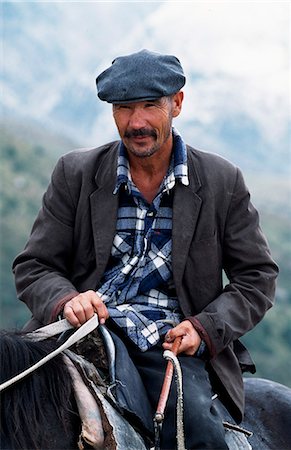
(178, 169)
(180, 159)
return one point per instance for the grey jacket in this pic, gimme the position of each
(215, 228)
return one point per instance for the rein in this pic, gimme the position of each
(173, 365)
(49, 331)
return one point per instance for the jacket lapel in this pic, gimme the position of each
(104, 206)
(186, 209)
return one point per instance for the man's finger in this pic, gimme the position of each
(70, 315)
(82, 307)
(101, 310)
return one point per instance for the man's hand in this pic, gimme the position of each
(190, 338)
(82, 307)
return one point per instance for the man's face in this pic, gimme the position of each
(146, 127)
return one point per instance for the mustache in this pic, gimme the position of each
(140, 132)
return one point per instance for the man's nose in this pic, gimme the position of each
(137, 119)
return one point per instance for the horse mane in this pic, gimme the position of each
(24, 405)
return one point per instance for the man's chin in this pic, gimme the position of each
(141, 150)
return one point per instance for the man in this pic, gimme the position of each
(140, 231)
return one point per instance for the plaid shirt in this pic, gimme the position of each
(137, 286)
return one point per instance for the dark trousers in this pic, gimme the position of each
(202, 425)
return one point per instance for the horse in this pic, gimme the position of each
(40, 411)
(267, 414)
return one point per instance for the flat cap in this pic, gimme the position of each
(144, 75)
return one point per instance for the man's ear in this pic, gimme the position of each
(177, 101)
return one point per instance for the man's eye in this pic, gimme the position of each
(118, 107)
(149, 105)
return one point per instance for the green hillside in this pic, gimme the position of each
(28, 155)
(27, 159)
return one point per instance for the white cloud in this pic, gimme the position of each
(240, 50)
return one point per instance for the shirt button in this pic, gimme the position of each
(118, 292)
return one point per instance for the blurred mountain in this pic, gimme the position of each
(235, 56)
(28, 155)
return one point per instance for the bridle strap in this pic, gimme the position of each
(51, 330)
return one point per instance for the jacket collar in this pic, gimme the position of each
(186, 208)
(104, 206)
(106, 171)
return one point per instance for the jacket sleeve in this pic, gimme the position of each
(42, 270)
(251, 273)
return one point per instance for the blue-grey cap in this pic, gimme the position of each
(144, 75)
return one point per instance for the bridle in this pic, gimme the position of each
(47, 332)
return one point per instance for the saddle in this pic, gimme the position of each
(113, 404)
(112, 401)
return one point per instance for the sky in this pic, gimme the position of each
(236, 56)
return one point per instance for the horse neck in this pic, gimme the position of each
(35, 410)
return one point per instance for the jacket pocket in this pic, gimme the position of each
(204, 257)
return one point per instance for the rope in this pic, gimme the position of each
(170, 356)
(84, 329)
